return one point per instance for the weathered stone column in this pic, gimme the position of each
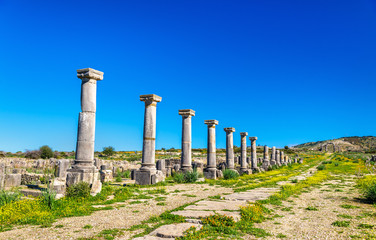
(266, 162)
(243, 152)
(282, 158)
(186, 140)
(273, 160)
(83, 168)
(147, 174)
(230, 148)
(211, 168)
(253, 153)
(278, 157)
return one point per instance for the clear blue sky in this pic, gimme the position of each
(286, 71)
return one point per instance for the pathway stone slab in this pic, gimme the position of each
(216, 205)
(235, 215)
(253, 195)
(193, 214)
(173, 230)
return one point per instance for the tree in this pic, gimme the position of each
(108, 151)
(46, 152)
(286, 147)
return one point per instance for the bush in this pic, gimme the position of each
(186, 177)
(48, 198)
(32, 154)
(108, 151)
(321, 167)
(367, 186)
(78, 190)
(8, 197)
(230, 174)
(46, 152)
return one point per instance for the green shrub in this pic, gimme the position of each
(48, 198)
(186, 177)
(367, 186)
(321, 167)
(118, 178)
(230, 174)
(78, 190)
(8, 197)
(108, 151)
(46, 152)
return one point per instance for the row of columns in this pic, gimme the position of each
(83, 168)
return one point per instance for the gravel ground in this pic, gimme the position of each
(122, 217)
(299, 223)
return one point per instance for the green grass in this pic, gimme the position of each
(309, 208)
(345, 216)
(347, 206)
(341, 223)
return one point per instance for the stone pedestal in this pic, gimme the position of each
(211, 169)
(148, 173)
(186, 140)
(83, 168)
(230, 148)
(254, 166)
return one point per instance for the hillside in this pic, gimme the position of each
(366, 143)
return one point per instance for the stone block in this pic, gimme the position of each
(142, 177)
(246, 171)
(106, 176)
(12, 180)
(96, 187)
(62, 167)
(85, 150)
(59, 186)
(159, 176)
(210, 173)
(219, 174)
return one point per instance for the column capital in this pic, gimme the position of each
(150, 98)
(89, 74)
(243, 134)
(211, 122)
(229, 129)
(186, 112)
(252, 138)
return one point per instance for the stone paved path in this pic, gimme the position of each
(228, 205)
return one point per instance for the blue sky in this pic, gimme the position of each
(286, 71)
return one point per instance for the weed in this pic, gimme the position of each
(347, 206)
(230, 174)
(8, 197)
(78, 190)
(309, 208)
(367, 226)
(341, 223)
(88, 226)
(344, 216)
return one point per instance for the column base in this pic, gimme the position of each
(186, 169)
(210, 173)
(90, 175)
(273, 162)
(142, 177)
(245, 171)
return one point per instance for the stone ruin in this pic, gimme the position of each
(87, 169)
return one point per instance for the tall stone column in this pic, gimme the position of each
(266, 162)
(278, 157)
(186, 140)
(243, 152)
(148, 174)
(282, 158)
(230, 148)
(83, 168)
(253, 153)
(273, 160)
(211, 168)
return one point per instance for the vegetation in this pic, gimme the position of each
(108, 151)
(7, 197)
(46, 152)
(78, 190)
(186, 177)
(230, 174)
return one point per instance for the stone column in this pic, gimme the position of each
(266, 162)
(278, 157)
(83, 168)
(211, 168)
(186, 140)
(253, 153)
(230, 148)
(243, 152)
(273, 160)
(282, 158)
(147, 174)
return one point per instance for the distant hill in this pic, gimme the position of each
(367, 143)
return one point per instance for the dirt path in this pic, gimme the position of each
(120, 217)
(311, 214)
